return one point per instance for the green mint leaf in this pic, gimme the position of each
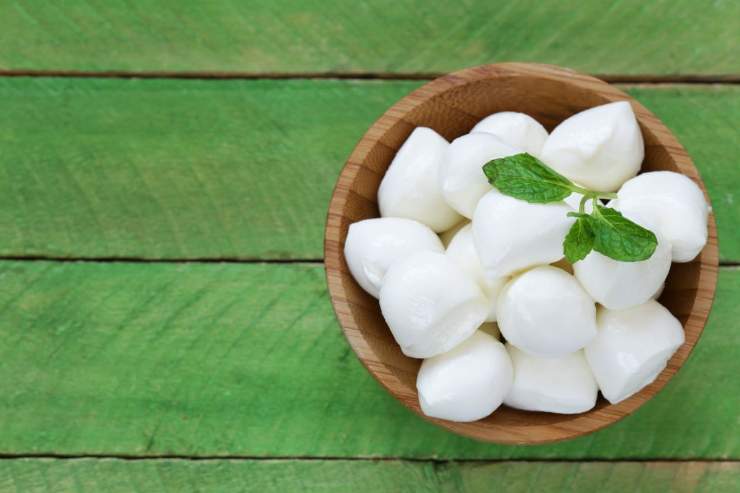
(525, 177)
(619, 238)
(579, 241)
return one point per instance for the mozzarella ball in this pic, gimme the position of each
(511, 235)
(632, 348)
(430, 304)
(600, 148)
(617, 284)
(518, 130)
(461, 250)
(462, 179)
(410, 187)
(552, 385)
(373, 245)
(659, 292)
(467, 383)
(545, 312)
(447, 236)
(675, 203)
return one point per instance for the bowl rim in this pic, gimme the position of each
(577, 425)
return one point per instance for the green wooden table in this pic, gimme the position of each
(165, 169)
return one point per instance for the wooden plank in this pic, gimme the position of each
(626, 37)
(237, 169)
(176, 169)
(247, 359)
(265, 476)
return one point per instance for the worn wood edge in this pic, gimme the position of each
(73, 412)
(601, 416)
(186, 35)
(125, 458)
(361, 475)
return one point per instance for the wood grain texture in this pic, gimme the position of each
(178, 476)
(235, 359)
(452, 105)
(615, 37)
(175, 169)
(238, 169)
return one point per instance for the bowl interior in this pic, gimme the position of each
(451, 105)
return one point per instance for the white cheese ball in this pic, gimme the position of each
(410, 187)
(430, 304)
(467, 383)
(511, 234)
(632, 348)
(675, 204)
(600, 148)
(616, 284)
(461, 175)
(659, 292)
(461, 250)
(518, 130)
(545, 312)
(447, 236)
(373, 245)
(553, 385)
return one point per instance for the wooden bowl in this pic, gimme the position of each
(451, 105)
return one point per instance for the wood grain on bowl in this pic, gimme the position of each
(451, 105)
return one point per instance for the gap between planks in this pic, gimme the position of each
(429, 460)
(647, 79)
(146, 260)
(190, 260)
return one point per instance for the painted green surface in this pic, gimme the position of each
(247, 359)
(175, 169)
(604, 36)
(181, 476)
(237, 169)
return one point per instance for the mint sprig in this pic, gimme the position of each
(605, 230)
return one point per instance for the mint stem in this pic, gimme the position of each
(592, 193)
(582, 205)
(581, 190)
(606, 195)
(596, 212)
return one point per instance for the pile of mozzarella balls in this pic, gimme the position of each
(456, 265)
